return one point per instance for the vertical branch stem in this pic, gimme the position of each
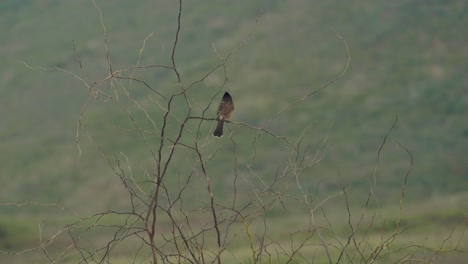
(176, 40)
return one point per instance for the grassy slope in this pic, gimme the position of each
(406, 59)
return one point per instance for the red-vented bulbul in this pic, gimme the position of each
(225, 108)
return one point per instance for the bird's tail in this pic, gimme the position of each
(219, 129)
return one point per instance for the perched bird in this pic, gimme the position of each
(225, 108)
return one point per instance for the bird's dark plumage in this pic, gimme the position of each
(225, 108)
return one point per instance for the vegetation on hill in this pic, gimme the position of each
(407, 59)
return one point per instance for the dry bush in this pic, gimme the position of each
(183, 209)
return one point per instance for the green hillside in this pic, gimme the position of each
(407, 59)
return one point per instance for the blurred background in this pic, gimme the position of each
(407, 59)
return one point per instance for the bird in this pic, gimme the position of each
(225, 109)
